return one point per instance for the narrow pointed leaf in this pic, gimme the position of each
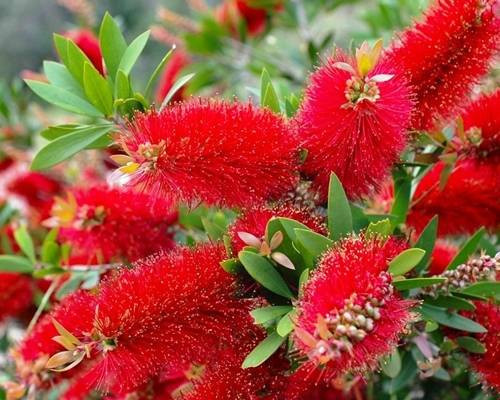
(66, 146)
(339, 211)
(112, 43)
(19, 264)
(260, 269)
(414, 283)
(133, 52)
(467, 249)
(313, 242)
(263, 351)
(265, 314)
(63, 98)
(405, 261)
(175, 87)
(23, 239)
(450, 319)
(426, 241)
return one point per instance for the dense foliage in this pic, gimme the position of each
(335, 237)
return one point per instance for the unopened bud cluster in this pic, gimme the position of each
(338, 331)
(359, 89)
(304, 197)
(484, 268)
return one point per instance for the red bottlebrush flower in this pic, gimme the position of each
(302, 387)
(445, 54)
(482, 125)
(441, 256)
(254, 222)
(225, 379)
(468, 201)
(172, 308)
(353, 121)
(105, 224)
(349, 315)
(31, 192)
(16, 294)
(177, 62)
(486, 365)
(89, 44)
(218, 152)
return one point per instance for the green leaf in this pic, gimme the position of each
(232, 265)
(113, 45)
(408, 372)
(402, 190)
(271, 100)
(313, 242)
(64, 147)
(426, 241)
(452, 302)
(97, 89)
(15, 264)
(391, 364)
(51, 253)
(381, 228)
(468, 296)
(467, 249)
(285, 325)
(471, 345)
(133, 52)
(63, 98)
(304, 277)
(61, 45)
(53, 132)
(339, 211)
(266, 314)
(175, 87)
(450, 319)
(76, 61)
(58, 75)
(260, 269)
(405, 261)
(414, 283)
(265, 81)
(485, 289)
(263, 351)
(23, 239)
(156, 73)
(213, 230)
(292, 103)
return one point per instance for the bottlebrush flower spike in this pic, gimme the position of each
(349, 315)
(481, 123)
(172, 308)
(468, 201)
(442, 255)
(486, 365)
(250, 228)
(89, 44)
(214, 151)
(353, 121)
(16, 294)
(445, 54)
(110, 224)
(484, 268)
(225, 379)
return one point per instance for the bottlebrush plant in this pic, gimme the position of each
(311, 245)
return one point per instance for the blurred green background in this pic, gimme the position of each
(26, 25)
